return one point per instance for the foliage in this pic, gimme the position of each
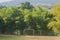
(27, 16)
(55, 24)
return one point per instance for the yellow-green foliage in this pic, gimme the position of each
(55, 24)
(27, 16)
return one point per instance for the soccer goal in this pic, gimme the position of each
(28, 32)
(38, 33)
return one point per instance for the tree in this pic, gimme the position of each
(2, 7)
(55, 24)
(28, 17)
(41, 19)
(26, 5)
(2, 26)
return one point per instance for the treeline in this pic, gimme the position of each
(28, 16)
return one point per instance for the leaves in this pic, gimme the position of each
(55, 24)
(28, 17)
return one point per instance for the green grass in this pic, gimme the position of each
(10, 38)
(28, 38)
(6, 38)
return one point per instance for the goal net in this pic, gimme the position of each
(28, 32)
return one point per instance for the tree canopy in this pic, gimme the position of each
(27, 16)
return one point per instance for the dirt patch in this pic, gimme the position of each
(44, 37)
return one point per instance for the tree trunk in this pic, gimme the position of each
(21, 32)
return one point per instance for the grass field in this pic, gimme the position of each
(29, 38)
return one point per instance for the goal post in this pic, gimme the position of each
(28, 32)
(38, 33)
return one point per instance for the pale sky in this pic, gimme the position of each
(4, 0)
(34, 2)
(43, 2)
(46, 1)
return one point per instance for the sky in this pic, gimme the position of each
(42, 1)
(4, 1)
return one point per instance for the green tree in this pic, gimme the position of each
(55, 24)
(26, 5)
(2, 26)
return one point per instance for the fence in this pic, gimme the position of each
(38, 32)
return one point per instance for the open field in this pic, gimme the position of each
(42, 38)
(29, 38)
